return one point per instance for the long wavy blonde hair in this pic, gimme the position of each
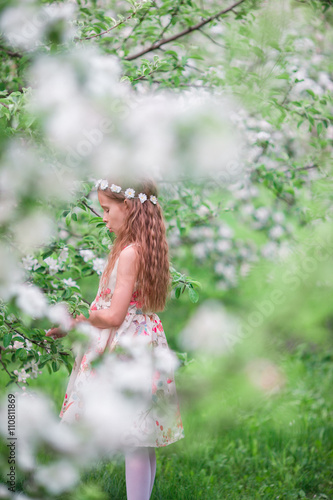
(144, 224)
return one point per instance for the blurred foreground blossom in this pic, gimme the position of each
(265, 375)
(39, 426)
(31, 300)
(211, 330)
(25, 25)
(58, 313)
(58, 477)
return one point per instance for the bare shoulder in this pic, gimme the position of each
(129, 257)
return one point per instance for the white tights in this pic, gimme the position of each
(140, 473)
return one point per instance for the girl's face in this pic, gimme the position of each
(113, 212)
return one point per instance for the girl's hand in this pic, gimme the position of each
(79, 317)
(55, 333)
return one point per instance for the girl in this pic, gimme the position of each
(134, 285)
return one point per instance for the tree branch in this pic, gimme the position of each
(10, 52)
(197, 26)
(173, 14)
(180, 85)
(6, 106)
(308, 167)
(94, 211)
(10, 375)
(107, 31)
(210, 38)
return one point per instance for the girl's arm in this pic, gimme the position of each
(121, 298)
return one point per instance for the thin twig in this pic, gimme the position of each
(190, 29)
(173, 14)
(107, 31)
(134, 28)
(6, 106)
(94, 211)
(10, 375)
(181, 84)
(10, 52)
(211, 39)
(308, 167)
(39, 344)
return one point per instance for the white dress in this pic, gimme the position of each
(138, 352)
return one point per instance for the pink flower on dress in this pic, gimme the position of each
(160, 327)
(84, 363)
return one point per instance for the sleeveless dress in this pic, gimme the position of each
(143, 366)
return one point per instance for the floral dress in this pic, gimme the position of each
(155, 421)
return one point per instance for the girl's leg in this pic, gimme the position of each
(138, 474)
(152, 458)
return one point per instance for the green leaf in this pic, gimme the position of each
(6, 339)
(177, 292)
(319, 127)
(55, 366)
(311, 93)
(84, 310)
(284, 76)
(193, 294)
(95, 219)
(22, 354)
(68, 219)
(47, 253)
(297, 103)
(172, 53)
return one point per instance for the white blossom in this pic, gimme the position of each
(63, 256)
(263, 136)
(58, 477)
(115, 188)
(199, 250)
(225, 231)
(103, 184)
(98, 265)
(269, 250)
(70, 282)
(31, 300)
(219, 268)
(262, 214)
(210, 330)
(129, 193)
(18, 345)
(276, 232)
(58, 313)
(142, 197)
(30, 263)
(278, 217)
(247, 209)
(86, 254)
(33, 365)
(223, 245)
(53, 264)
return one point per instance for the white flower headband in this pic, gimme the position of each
(129, 193)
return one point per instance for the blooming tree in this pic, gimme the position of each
(230, 109)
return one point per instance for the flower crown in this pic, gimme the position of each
(129, 193)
